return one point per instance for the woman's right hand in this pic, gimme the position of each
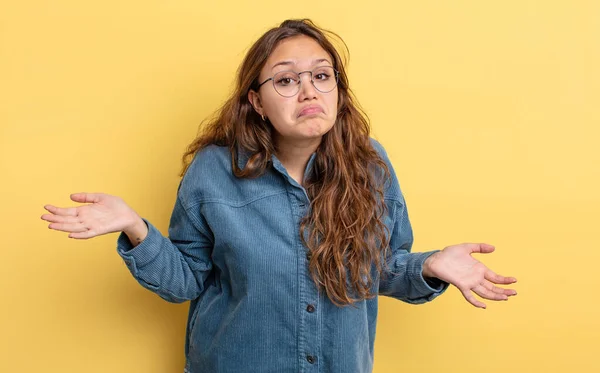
(104, 214)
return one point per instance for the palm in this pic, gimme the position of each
(456, 265)
(105, 214)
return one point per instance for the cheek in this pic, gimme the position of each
(332, 104)
(282, 109)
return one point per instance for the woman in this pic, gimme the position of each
(288, 222)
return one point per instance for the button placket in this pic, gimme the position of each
(303, 205)
(309, 342)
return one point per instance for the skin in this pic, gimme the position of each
(296, 138)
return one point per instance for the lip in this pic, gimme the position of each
(310, 109)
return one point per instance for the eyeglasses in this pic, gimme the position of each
(287, 83)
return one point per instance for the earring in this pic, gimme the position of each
(263, 117)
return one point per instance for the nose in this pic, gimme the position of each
(307, 89)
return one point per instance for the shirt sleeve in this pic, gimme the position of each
(403, 276)
(404, 279)
(175, 267)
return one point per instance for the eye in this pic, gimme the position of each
(285, 81)
(322, 76)
(323, 73)
(286, 78)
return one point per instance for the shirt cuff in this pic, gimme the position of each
(142, 254)
(415, 272)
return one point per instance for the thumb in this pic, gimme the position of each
(86, 197)
(483, 248)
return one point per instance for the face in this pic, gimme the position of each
(310, 113)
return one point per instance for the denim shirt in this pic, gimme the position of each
(234, 250)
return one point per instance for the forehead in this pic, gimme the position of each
(297, 51)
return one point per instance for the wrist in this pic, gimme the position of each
(136, 231)
(428, 265)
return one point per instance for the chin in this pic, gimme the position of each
(316, 127)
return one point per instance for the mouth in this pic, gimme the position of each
(310, 110)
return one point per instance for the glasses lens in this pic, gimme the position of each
(286, 83)
(324, 78)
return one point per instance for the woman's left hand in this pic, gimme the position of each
(456, 266)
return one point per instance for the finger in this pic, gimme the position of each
(471, 299)
(488, 294)
(60, 219)
(482, 248)
(70, 211)
(86, 197)
(488, 285)
(497, 279)
(68, 227)
(82, 235)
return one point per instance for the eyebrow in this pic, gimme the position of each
(287, 63)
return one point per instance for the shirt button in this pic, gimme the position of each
(302, 205)
(311, 359)
(310, 308)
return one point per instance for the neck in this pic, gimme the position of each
(294, 155)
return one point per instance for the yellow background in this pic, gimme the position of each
(489, 111)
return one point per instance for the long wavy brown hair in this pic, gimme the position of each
(344, 230)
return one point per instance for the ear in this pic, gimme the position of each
(254, 99)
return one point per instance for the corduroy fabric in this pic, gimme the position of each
(234, 250)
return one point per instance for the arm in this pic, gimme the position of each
(176, 267)
(404, 278)
(420, 277)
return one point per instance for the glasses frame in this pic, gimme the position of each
(336, 73)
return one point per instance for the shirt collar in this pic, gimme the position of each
(244, 154)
